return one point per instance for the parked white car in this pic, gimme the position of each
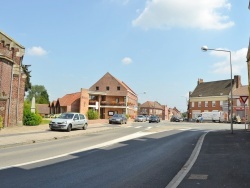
(68, 121)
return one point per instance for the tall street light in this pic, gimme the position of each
(205, 48)
(144, 92)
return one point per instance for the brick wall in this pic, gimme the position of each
(12, 81)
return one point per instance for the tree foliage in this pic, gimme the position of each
(27, 81)
(40, 94)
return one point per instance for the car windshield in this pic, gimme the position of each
(116, 115)
(66, 116)
(153, 117)
(140, 116)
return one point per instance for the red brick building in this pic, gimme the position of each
(213, 96)
(12, 81)
(108, 96)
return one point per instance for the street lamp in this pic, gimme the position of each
(205, 48)
(144, 92)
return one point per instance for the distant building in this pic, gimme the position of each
(108, 96)
(212, 96)
(12, 81)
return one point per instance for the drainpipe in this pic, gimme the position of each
(10, 97)
(18, 92)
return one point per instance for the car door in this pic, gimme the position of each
(76, 121)
(82, 120)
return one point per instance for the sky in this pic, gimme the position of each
(154, 46)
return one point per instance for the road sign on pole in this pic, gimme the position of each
(243, 99)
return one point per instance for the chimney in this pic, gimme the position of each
(200, 81)
(237, 81)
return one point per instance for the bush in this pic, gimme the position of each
(92, 114)
(30, 118)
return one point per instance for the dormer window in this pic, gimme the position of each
(118, 88)
(96, 88)
(107, 88)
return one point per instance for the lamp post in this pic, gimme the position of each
(144, 92)
(205, 48)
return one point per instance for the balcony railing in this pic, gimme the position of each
(112, 103)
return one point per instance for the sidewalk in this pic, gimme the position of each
(19, 135)
(224, 161)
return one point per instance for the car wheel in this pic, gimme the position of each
(125, 122)
(85, 126)
(51, 129)
(69, 128)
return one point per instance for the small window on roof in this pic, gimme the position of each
(118, 88)
(107, 88)
(97, 88)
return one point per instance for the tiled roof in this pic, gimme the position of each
(241, 91)
(215, 88)
(120, 82)
(52, 104)
(68, 99)
(151, 104)
(43, 108)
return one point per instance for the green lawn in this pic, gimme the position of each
(45, 121)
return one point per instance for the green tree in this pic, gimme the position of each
(27, 81)
(40, 94)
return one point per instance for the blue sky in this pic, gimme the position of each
(151, 45)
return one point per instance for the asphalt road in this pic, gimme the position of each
(142, 155)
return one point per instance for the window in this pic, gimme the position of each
(76, 116)
(117, 100)
(213, 103)
(96, 88)
(221, 103)
(192, 104)
(82, 116)
(107, 88)
(206, 104)
(199, 104)
(118, 88)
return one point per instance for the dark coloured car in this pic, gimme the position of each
(118, 118)
(176, 119)
(154, 119)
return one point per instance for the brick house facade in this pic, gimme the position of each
(212, 96)
(108, 96)
(12, 81)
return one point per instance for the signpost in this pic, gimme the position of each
(243, 99)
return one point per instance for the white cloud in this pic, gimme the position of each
(238, 60)
(127, 60)
(202, 14)
(36, 51)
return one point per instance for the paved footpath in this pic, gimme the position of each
(224, 161)
(19, 135)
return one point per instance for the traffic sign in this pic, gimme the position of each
(243, 99)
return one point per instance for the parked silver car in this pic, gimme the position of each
(68, 121)
(140, 118)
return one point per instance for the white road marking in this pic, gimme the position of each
(188, 165)
(108, 143)
(138, 127)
